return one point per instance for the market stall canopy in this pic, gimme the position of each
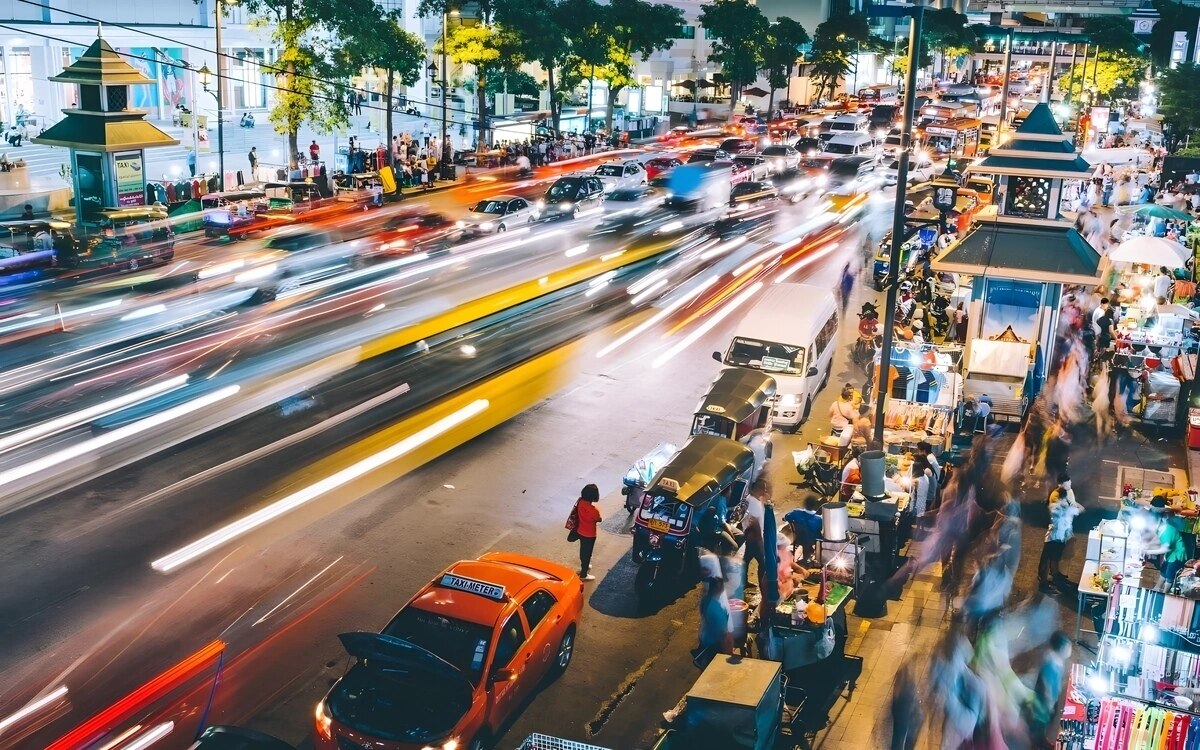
(706, 84)
(1155, 251)
(1028, 252)
(1156, 211)
(687, 83)
(755, 91)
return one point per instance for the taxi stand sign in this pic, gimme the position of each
(471, 586)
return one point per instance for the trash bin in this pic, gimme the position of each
(449, 171)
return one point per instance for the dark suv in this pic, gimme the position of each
(567, 195)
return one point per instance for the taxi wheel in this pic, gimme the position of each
(566, 650)
(501, 229)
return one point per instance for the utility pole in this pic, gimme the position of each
(445, 94)
(1001, 125)
(889, 315)
(221, 104)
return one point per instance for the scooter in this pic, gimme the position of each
(818, 471)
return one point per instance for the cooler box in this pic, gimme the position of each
(735, 705)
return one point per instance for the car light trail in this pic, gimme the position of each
(577, 250)
(97, 726)
(149, 738)
(287, 504)
(122, 433)
(144, 312)
(707, 325)
(33, 707)
(663, 313)
(806, 262)
(723, 248)
(648, 292)
(292, 595)
(79, 417)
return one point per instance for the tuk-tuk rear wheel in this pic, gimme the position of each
(646, 581)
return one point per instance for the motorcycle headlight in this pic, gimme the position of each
(487, 226)
(822, 179)
(567, 206)
(789, 399)
(540, 205)
(450, 744)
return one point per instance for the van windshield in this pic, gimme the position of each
(839, 148)
(765, 355)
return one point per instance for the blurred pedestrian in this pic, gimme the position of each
(1063, 510)
(1170, 545)
(847, 285)
(714, 637)
(1038, 711)
(907, 717)
(191, 161)
(587, 518)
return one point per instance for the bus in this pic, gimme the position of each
(880, 94)
(956, 137)
(940, 111)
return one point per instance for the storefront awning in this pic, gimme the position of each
(1031, 253)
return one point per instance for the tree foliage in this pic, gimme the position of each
(1116, 75)
(516, 82)
(1179, 100)
(834, 45)
(946, 32)
(385, 45)
(1174, 17)
(780, 52)
(739, 29)
(636, 27)
(312, 64)
(1114, 34)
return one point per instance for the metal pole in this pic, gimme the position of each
(889, 314)
(1096, 65)
(1001, 125)
(1070, 75)
(1049, 87)
(221, 106)
(445, 95)
(1083, 71)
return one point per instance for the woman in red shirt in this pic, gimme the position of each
(585, 510)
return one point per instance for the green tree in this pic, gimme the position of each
(1116, 75)
(782, 49)
(1114, 34)
(835, 43)
(637, 28)
(591, 42)
(945, 31)
(312, 64)
(516, 82)
(739, 29)
(384, 44)
(1179, 101)
(542, 33)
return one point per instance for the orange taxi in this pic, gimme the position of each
(457, 660)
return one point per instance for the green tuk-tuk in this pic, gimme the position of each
(686, 506)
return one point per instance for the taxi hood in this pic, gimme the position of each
(398, 655)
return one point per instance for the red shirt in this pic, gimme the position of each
(588, 518)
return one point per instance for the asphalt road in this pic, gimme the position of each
(83, 608)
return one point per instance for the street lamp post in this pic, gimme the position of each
(205, 79)
(898, 218)
(446, 151)
(1001, 125)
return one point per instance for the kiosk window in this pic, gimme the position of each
(512, 635)
(537, 607)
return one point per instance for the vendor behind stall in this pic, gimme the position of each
(804, 524)
(1170, 544)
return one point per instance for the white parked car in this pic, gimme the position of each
(756, 164)
(620, 174)
(496, 214)
(781, 158)
(919, 170)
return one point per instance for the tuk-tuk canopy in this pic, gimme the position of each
(704, 467)
(233, 196)
(737, 393)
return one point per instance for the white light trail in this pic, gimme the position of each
(723, 248)
(149, 738)
(806, 262)
(144, 312)
(295, 500)
(122, 433)
(33, 707)
(648, 292)
(708, 325)
(292, 595)
(577, 250)
(657, 317)
(69, 420)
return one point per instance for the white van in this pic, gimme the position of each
(851, 144)
(848, 123)
(791, 332)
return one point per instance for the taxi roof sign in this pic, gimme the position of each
(472, 586)
(668, 484)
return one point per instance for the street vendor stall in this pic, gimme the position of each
(925, 386)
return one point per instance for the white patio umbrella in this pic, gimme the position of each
(1154, 251)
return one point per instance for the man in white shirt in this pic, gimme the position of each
(1099, 313)
(1162, 284)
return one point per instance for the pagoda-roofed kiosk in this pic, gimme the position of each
(106, 137)
(1020, 254)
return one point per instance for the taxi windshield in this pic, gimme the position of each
(765, 355)
(462, 644)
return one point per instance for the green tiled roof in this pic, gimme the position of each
(101, 65)
(1011, 164)
(1040, 122)
(104, 133)
(1044, 253)
(1046, 147)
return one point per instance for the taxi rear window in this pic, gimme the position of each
(462, 644)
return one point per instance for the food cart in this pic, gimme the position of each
(736, 704)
